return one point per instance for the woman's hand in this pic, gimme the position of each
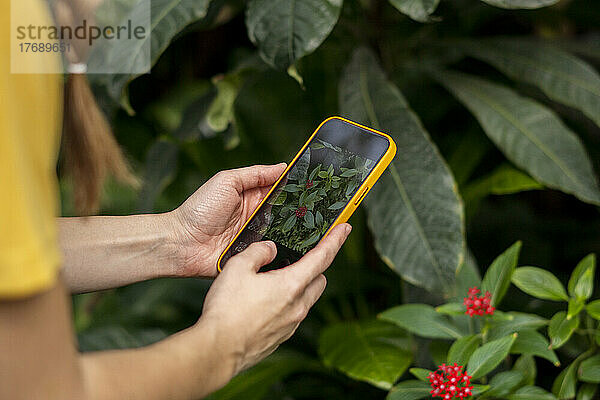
(254, 312)
(211, 217)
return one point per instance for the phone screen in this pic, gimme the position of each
(314, 191)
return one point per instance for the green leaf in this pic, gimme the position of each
(488, 356)
(287, 30)
(561, 328)
(503, 383)
(593, 309)
(159, 171)
(531, 393)
(587, 391)
(167, 19)
(503, 180)
(289, 223)
(419, 10)
(461, 350)
(529, 134)
(337, 205)
(318, 219)
(220, 111)
(564, 384)
(451, 309)
(506, 323)
(421, 374)
(526, 4)
(581, 283)
(480, 389)
(534, 343)
(497, 278)
(409, 390)
(560, 75)
(254, 384)
(589, 370)
(422, 320)
(575, 307)
(367, 351)
(414, 212)
(539, 283)
(526, 366)
(309, 219)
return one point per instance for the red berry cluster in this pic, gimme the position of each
(478, 305)
(301, 212)
(450, 382)
(309, 184)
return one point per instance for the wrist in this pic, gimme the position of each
(191, 254)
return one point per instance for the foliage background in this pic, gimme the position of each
(213, 101)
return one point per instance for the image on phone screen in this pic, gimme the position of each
(315, 190)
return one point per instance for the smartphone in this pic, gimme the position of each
(322, 186)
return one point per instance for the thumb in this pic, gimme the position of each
(256, 255)
(257, 175)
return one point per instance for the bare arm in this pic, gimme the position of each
(107, 252)
(39, 359)
(246, 316)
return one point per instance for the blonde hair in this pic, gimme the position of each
(89, 148)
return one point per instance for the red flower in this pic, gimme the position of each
(301, 212)
(450, 382)
(309, 184)
(478, 305)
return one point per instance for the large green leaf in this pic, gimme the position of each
(488, 356)
(503, 180)
(506, 323)
(462, 349)
(539, 283)
(503, 383)
(527, 367)
(587, 391)
(254, 384)
(497, 278)
(287, 30)
(409, 390)
(526, 4)
(367, 351)
(422, 320)
(561, 328)
(531, 393)
(419, 10)
(593, 309)
(168, 18)
(589, 370)
(560, 75)
(534, 343)
(529, 134)
(414, 212)
(565, 383)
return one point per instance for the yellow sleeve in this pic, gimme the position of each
(30, 112)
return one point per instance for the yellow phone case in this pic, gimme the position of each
(358, 196)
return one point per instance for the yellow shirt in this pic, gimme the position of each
(30, 118)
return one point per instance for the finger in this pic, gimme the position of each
(256, 255)
(313, 291)
(256, 176)
(317, 260)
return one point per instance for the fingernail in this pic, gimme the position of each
(271, 244)
(348, 229)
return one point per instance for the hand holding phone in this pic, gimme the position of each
(320, 188)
